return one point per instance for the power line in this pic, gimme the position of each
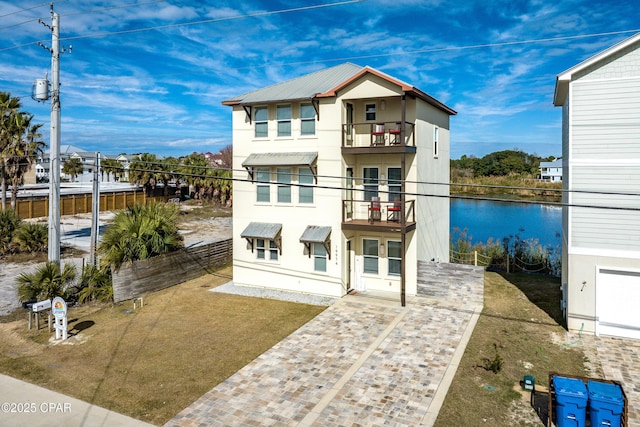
(29, 8)
(205, 21)
(126, 6)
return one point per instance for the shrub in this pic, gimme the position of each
(47, 282)
(95, 285)
(31, 237)
(9, 223)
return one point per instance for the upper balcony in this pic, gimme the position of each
(375, 215)
(379, 138)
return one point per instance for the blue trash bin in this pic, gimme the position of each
(571, 402)
(606, 404)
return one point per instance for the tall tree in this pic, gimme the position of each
(9, 107)
(143, 171)
(73, 167)
(111, 167)
(22, 152)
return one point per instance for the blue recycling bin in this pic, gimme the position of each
(571, 402)
(606, 404)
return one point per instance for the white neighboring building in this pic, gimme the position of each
(338, 190)
(551, 171)
(600, 100)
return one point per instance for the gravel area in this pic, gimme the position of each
(230, 288)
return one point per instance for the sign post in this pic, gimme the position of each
(59, 309)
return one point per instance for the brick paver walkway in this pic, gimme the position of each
(363, 361)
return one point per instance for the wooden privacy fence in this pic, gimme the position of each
(38, 207)
(136, 279)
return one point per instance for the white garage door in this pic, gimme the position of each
(618, 303)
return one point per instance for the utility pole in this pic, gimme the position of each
(54, 148)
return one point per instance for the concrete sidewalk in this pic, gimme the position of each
(24, 404)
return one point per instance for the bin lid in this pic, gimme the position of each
(570, 387)
(605, 391)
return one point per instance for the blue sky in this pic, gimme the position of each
(150, 76)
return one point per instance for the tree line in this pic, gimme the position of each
(499, 163)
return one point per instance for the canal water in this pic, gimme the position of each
(486, 219)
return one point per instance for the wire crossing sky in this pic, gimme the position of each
(149, 76)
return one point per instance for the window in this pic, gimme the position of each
(370, 253)
(273, 251)
(370, 181)
(307, 119)
(261, 249)
(395, 186)
(263, 190)
(370, 112)
(261, 120)
(394, 257)
(435, 142)
(319, 257)
(283, 115)
(305, 194)
(284, 187)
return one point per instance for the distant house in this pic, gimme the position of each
(333, 165)
(551, 171)
(600, 100)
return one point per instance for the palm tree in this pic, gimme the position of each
(9, 107)
(140, 232)
(196, 171)
(47, 282)
(31, 237)
(166, 173)
(110, 167)
(22, 152)
(143, 171)
(73, 167)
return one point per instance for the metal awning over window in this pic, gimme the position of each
(263, 230)
(317, 234)
(281, 159)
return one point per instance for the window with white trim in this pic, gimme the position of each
(263, 176)
(264, 246)
(370, 182)
(370, 256)
(283, 116)
(435, 142)
(305, 194)
(261, 121)
(307, 119)
(394, 257)
(283, 177)
(370, 112)
(319, 257)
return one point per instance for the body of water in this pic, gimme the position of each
(485, 219)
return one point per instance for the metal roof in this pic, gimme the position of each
(280, 159)
(315, 234)
(261, 230)
(300, 88)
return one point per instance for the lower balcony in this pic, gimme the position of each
(374, 215)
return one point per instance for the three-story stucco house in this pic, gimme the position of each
(338, 183)
(600, 100)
